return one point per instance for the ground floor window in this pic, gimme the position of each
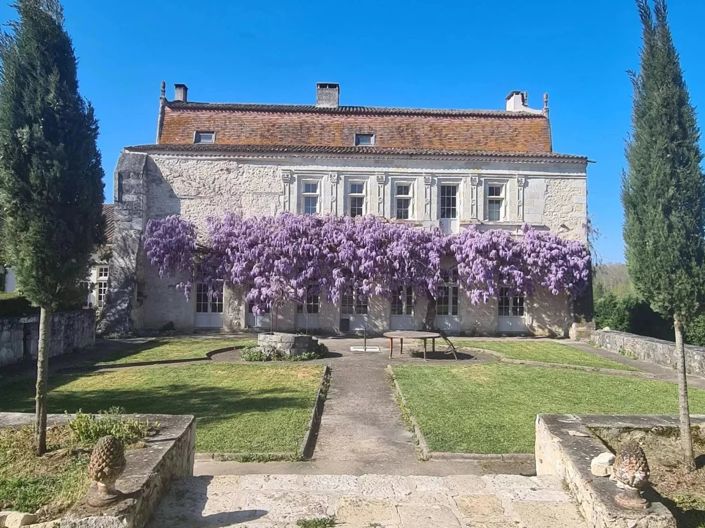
(403, 301)
(312, 305)
(353, 303)
(510, 305)
(447, 302)
(209, 300)
(251, 309)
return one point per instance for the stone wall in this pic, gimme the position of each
(70, 331)
(649, 349)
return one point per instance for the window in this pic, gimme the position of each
(311, 305)
(402, 201)
(204, 137)
(364, 140)
(310, 198)
(447, 303)
(449, 201)
(209, 300)
(495, 202)
(510, 305)
(103, 272)
(403, 301)
(353, 303)
(102, 292)
(357, 199)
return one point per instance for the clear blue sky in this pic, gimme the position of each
(468, 54)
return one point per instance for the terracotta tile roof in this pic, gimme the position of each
(206, 149)
(394, 128)
(109, 222)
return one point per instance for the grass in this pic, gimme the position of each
(165, 349)
(491, 408)
(251, 409)
(544, 351)
(52, 483)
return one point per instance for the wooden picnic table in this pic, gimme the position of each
(411, 334)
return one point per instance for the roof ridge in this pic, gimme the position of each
(349, 109)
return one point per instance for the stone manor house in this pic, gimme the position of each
(428, 167)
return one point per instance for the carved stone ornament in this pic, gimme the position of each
(106, 465)
(631, 472)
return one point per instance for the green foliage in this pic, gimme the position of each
(88, 428)
(612, 279)
(14, 305)
(663, 191)
(51, 187)
(255, 353)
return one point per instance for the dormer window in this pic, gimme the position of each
(204, 137)
(364, 140)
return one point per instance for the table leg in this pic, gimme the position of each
(391, 346)
(433, 343)
(425, 342)
(401, 346)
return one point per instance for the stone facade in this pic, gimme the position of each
(650, 349)
(538, 187)
(70, 331)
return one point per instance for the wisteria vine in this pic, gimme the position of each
(284, 258)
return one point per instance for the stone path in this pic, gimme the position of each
(368, 501)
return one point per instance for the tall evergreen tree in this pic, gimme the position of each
(664, 193)
(51, 189)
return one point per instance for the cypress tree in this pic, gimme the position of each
(663, 193)
(51, 189)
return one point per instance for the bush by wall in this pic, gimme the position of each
(630, 314)
(13, 305)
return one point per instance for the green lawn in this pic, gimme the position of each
(240, 408)
(491, 408)
(166, 349)
(545, 351)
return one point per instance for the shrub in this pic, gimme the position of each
(88, 428)
(272, 354)
(630, 314)
(14, 305)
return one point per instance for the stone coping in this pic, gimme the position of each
(167, 455)
(565, 446)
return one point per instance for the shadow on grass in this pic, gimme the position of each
(212, 403)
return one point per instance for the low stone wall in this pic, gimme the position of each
(649, 349)
(148, 474)
(565, 446)
(287, 344)
(70, 331)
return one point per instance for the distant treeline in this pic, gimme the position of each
(618, 307)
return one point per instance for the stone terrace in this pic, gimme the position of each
(279, 501)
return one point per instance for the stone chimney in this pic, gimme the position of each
(181, 93)
(327, 95)
(517, 101)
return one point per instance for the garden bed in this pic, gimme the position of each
(682, 492)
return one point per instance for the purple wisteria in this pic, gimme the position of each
(284, 258)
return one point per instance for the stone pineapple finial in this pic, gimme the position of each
(631, 471)
(106, 464)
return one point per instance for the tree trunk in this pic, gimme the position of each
(42, 376)
(430, 319)
(684, 412)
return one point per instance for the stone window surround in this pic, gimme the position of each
(308, 179)
(488, 182)
(349, 182)
(395, 184)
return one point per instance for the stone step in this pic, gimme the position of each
(390, 501)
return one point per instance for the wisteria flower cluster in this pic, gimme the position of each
(284, 258)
